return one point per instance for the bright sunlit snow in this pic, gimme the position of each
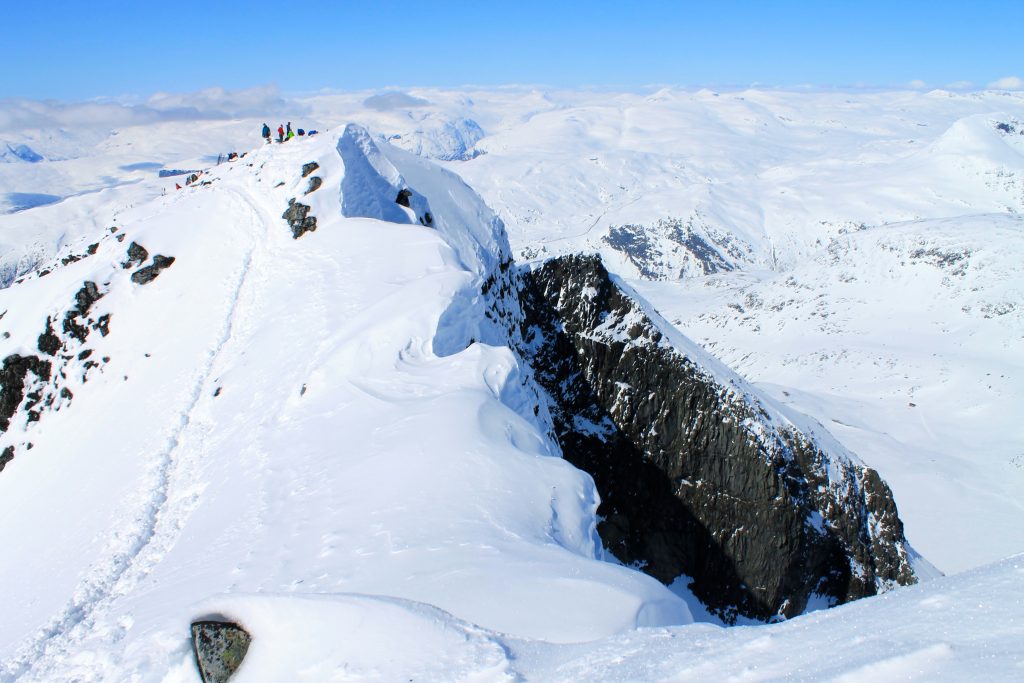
(321, 439)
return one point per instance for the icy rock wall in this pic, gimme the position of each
(696, 476)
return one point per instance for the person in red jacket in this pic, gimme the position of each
(280, 133)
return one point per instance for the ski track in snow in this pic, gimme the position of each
(140, 548)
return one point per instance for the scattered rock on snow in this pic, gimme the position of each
(87, 296)
(137, 255)
(102, 324)
(75, 321)
(49, 342)
(13, 375)
(149, 273)
(298, 219)
(314, 184)
(309, 168)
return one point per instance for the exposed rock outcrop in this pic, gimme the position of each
(298, 218)
(14, 384)
(48, 342)
(149, 273)
(31, 385)
(76, 322)
(698, 476)
(219, 648)
(137, 255)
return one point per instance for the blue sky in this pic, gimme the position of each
(78, 50)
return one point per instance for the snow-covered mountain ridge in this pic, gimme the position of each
(233, 318)
(969, 270)
(270, 415)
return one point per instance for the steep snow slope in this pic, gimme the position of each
(272, 415)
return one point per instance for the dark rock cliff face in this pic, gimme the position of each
(697, 475)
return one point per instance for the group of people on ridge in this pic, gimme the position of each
(284, 132)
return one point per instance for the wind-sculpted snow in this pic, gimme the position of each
(371, 183)
(929, 631)
(274, 419)
(437, 198)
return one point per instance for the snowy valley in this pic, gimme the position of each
(518, 385)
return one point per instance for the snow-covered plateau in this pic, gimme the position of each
(330, 390)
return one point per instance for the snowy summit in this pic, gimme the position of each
(518, 385)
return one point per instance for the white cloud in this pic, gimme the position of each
(219, 103)
(1008, 83)
(212, 103)
(960, 85)
(917, 84)
(387, 101)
